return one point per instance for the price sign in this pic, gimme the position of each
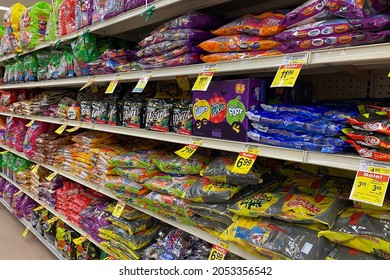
(35, 168)
(87, 84)
(111, 87)
(203, 81)
(73, 129)
(245, 159)
(188, 150)
(183, 83)
(371, 182)
(94, 88)
(30, 123)
(217, 253)
(142, 82)
(79, 240)
(38, 208)
(51, 176)
(61, 129)
(25, 232)
(288, 72)
(119, 209)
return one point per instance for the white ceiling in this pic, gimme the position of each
(9, 3)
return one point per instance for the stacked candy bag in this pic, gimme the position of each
(11, 39)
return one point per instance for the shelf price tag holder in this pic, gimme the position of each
(203, 81)
(118, 210)
(30, 123)
(219, 251)
(35, 168)
(25, 232)
(288, 72)
(111, 87)
(142, 82)
(52, 220)
(61, 129)
(73, 129)
(183, 83)
(79, 240)
(89, 83)
(39, 208)
(51, 176)
(188, 150)
(371, 182)
(246, 159)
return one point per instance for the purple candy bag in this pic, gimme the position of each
(164, 47)
(334, 26)
(308, 12)
(113, 8)
(353, 38)
(166, 56)
(356, 9)
(174, 35)
(185, 59)
(83, 13)
(191, 20)
(132, 4)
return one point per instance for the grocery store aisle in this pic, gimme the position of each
(13, 246)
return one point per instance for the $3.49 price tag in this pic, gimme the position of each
(188, 150)
(204, 79)
(369, 187)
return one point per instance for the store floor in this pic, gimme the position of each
(13, 246)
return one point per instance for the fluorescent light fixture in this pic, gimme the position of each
(4, 8)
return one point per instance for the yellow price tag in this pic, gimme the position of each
(204, 79)
(30, 123)
(61, 129)
(369, 187)
(388, 75)
(111, 87)
(217, 253)
(3, 152)
(187, 151)
(183, 83)
(142, 82)
(79, 240)
(244, 163)
(87, 84)
(94, 88)
(25, 232)
(51, 176)
(377, 169)
(286, 75)
(39, 208)
(120, 206)
(52, 220)
(73, 129)
(35, 168)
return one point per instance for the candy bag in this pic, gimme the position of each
(176, 35)
(11, 23)
(138, 174)
(113, 8)
(83, 13)
(84, 51)
(352, 9)
(174, 164)
(308, 12)
(169, 184)
(52, 28)
(31, 67)
(66, 17)
(158, 113)
(226, 56)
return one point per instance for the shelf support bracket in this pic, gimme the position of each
(362, 74)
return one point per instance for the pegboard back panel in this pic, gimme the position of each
(339, 86)
(380, 86)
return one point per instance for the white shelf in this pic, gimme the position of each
(373, 54)
(51, 209)
(348, 162)
(35, 232)
(131, 20)
(192, 230)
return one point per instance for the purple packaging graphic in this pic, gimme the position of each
(220, 112)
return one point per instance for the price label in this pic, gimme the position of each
(369, 187)
(3, 152)
(25, 232)
(244, 163)
(79, 240)
(388, 75)
(94, 88)
(52, 220)
(286, 75)
(30, 123)
(35, 168)
(73, 129)
(61, 129)
(111, 87)
(87, 84)
(51, 176)
(204, 79)
(217, 253)
(142, 82)
(120, 206)
(183, 83)
(188, 150)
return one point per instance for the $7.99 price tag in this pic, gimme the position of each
(188, 150)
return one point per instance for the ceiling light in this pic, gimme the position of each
(4, 8)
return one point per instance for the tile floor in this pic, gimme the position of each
(13, 246)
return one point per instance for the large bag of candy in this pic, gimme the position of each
(352, 9)
(83, 13)
(11, 22)
(52, 28)
(66, 17)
